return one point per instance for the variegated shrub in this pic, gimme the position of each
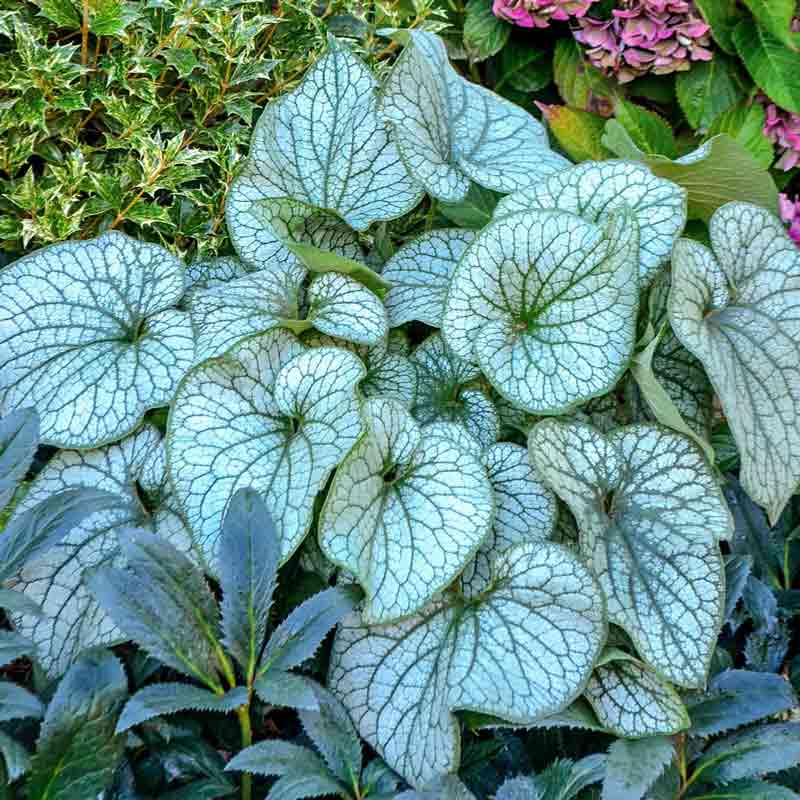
(499, 434)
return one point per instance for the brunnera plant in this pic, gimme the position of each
(423, 412)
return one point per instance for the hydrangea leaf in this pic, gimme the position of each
(72, 620)
(650, 515)
(444, 394)
(90, 338)
(525, 511)
(340, 306)
(406, 511)
(633, 702)
(521, 651)
(449, 130)
(272, 415)
(390, 372)
(594, 190)
(546, 303)
(321, 162)
(736, 309)
(420, 273)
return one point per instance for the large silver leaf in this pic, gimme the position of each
(390, 372)
(525, 511)
(738, 310)
(205, 273)
(444, 393)
(321, 162)
(72, 620)
(272, 415)
(525, 649)
(546, 303)
(406, 511)
(90, 338)
(650, 515)
(632, 701)
(449, 130)
(420, 273)
(593, 190)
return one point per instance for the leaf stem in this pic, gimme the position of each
(243, 713)
(85, 36)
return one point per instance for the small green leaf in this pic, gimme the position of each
(484, 33)
(722, 16)
(578, 82)
(77, 751)
(63, 12)
(170, 698)
(523, 67)
(707, 89)
(745, 123)
(651, 133)
(474, 211)
(578, 132)
(772, 65)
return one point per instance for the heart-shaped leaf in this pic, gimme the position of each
(134, 472)
(272, 415)
(444, 393)
(449, 130)
(523, 650)
(525, 511)
(633, 702)
(737, 309)
(546, 303)
(90, 338)
(406, 511)
(420, 273)
(320, 160)
(205, 273)
(650, 514)
(594, 190)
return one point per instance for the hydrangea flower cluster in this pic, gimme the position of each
(782, 128)
(538, 13)
(642, 36)
(790, 213)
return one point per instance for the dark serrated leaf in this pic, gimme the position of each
(77, 751)
(278, 688)
(13, 645)
(301, 633)
(30, 534)
(16, 757)
(170, 698)
(277, 757)
(249, 552)
(737, 571)
(19, 437)
(333, 734)
(735, 698)
(635, 765)
(565, 779)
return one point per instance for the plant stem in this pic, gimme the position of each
(85, 35)
(247, 739)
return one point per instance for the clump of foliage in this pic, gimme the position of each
(508, 441)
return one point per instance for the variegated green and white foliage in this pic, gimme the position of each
(736, 307)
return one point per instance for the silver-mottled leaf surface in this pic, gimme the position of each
(546, 303)
(738, 310)
(650, 515)
(524, 650)
(420, 273)
(449, 130)
(593, 190)
(633, 702)
(90, 338)
(320, 160)
(525, 511)
(406, 511)
(272, 415)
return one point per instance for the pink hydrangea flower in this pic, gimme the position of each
(538, 13)
(782, 128)
(790, 213)
(642, 36)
